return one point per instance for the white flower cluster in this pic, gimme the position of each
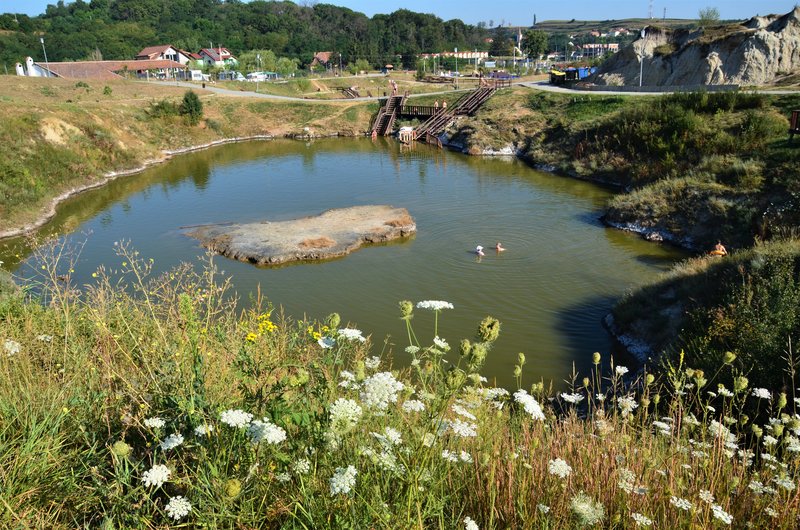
(380, 389)
(720, 513)
(469, 524)
(464, 429)
(326, 342)
(178, 507)
(452, 456)
(434, 305)
(461, 411)
(681, 504)
(348, 379)
(236, 418)
(343, 480)
(530, 404)
(265, 431)
(389, 438)
(345, 414)
(155, 423)
(372, 363)
(413, 405)
(11, 347)
(156, 476)
(172, 441)
(204, 430)
(626, 404)
(559, 468)
(574, 398)
(44, 338)
(352, 334)
(640, 519)
(441, 343)
(621, 370)
(761, 393)
(302, 466)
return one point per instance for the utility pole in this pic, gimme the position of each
(650, 11)
(47, 65)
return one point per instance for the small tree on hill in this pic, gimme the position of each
(192, 107)
(708, 16)
(534, 43)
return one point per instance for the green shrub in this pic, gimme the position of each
(163, 109)
(107, 90)
(192, 107)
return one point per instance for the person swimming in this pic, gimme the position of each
(479, 251)
(499, 247)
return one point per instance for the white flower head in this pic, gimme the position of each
(530, 404)
(302, 466)
(464, 429)
(680, 503)
(204, 429)
(469, 524)
(345, 414)
(761, 393)
(706, 496)
(11, 347)
(380, 389)
(236, 418)
(441, 343)
(434, 305)
(343, 480)
(178, 507)
(641, 520)
(156, 476)
(621, 370)
(352, 334)
(265, 431)
(172, 441)
(559, 468)
(721, 514)
(372, 363)
(155, 423)
(413, 405)
(573, 398)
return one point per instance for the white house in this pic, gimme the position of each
(164, 52)
(218, 57)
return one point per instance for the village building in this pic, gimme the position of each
(104, 70)
(165, 52)
(218, 57)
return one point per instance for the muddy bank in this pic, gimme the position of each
(332, 234)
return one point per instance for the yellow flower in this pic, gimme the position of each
(251, 337)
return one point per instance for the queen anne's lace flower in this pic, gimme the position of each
(204, 429)
(681, 504)
(621, 370)
(464, 429)
(469, 524)
(530, 404)
(559, 467)
(574, 398)
(441, 343)
(178, 507)
(641, 520)
(343, 480)
(11, 347)
(434, 305)
(345, 414)
(461, 411)
(721, 514)
(326, 342)
(302, 466)
(706, 496)
(372, 363)
(154, 423)
(156, 476)
(378, 390)
(626, 405)
(265, 431)
(352, 334)
(172, 441)
(413, 405)
(236, 418)
(761, 393)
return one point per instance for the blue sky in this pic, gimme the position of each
(521, 13)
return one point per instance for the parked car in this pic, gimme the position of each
(231, 75)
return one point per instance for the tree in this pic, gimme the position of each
(192, 107)
(534, 43)
(708, 16)
(501, 47)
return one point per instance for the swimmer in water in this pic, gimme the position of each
(479, 251)
(499, 247)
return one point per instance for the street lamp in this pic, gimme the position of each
(456, 54)
(46, 64)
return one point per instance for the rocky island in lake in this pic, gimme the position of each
(331, 234)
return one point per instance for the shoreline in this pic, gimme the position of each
(50, 210)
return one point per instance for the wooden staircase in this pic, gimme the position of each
(387, 114)
(466, 106)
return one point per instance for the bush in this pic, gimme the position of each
(107, 90)
(163, 109)
(192, 107)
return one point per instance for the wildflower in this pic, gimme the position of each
(706, 496)
(302, 466)
(461, 411)
(348, 379)
(373, 362)
(681, 504)
(413, 405)
(572, 398)
(172, 441)
(450, 456)
(154, 423)
(784, 482)
(761, 393)
(771, 512)
(664, 428)
(441, 343)
(721, 514)
(203, 430)
(326, 342)
(283, 477)
(343, 480)
(434, 305)
(586, 510)
(156, 476)
(265, 431)
(465, 457)
(389, 437)
(718, 430)
(641, 520)
(559, 468)
(600, 397)
(380, 389)
(236, 418)
(121, 449)
(412, 349)
(469, 524)
(345, 414)
(740, 384)
(543, 508)
(12, 347)
(464, 429)
(178, 507)
(621, 370)
(724, 392)
(769, 441)
(352, 334)
(530, 404)
(44, 338)
(627, 405)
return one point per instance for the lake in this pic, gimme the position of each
(560, 275)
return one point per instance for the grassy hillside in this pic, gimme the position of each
(60, 134)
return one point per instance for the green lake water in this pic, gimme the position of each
(550, 289)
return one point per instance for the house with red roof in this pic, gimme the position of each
(164, 52)
(219, 57)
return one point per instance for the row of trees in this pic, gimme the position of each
(120, 28)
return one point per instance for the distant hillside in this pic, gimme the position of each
(754, 52)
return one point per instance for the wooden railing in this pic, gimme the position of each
(418, 110)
